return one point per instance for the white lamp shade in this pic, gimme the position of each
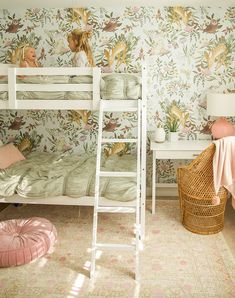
(221, 104)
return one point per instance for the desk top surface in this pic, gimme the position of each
(181, 145)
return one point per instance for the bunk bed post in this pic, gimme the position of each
(143, 149)
(12, 88)
(96, 88)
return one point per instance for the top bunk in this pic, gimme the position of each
(66, 88)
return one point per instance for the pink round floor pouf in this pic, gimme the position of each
(24, 240)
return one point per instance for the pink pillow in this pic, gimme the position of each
(9, 154)
(23, 240)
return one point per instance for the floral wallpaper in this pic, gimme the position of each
(189, 52)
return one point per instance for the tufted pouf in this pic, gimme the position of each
(23, 240)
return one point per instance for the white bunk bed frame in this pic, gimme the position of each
(13, 103)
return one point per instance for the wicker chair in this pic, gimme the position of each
(196, 191)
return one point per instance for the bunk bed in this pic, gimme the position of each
(24, 88)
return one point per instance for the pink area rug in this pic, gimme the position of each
(174, 263)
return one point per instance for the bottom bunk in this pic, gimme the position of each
(49, 178)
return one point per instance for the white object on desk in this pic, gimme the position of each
(173, 150)
(159, 135)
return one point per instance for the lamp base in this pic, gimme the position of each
(222, 128)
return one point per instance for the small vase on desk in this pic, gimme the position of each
(173, 136)
(159, 135)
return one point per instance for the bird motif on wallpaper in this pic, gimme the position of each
(177, 113)
(116, 55)
(82, 13)
(212, 26)
(181, 13)
(217, 56)
(116, 148)
(112, 25)
(111, 125)
(25, 144)
(14, 26)
(79, 115)
(16, 123)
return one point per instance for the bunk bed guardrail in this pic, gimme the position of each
(12, 86)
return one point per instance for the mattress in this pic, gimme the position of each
(43, 175)
(112, 86)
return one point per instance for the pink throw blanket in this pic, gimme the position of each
(224, 165)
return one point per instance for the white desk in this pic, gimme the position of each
(173, 150)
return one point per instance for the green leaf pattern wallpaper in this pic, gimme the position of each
(189, 52)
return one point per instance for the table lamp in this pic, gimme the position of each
(221, 105)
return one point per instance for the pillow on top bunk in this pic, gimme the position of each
(120, 86)
(9, 154)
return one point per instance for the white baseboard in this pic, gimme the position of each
(163, 191)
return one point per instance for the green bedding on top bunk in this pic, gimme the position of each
(44, 175)
(112, 86)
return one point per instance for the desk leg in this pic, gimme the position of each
(154, 183)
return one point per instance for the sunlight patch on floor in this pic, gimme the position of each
(87, 265)
(98, 254)
(77, 286)
(79, 282)
(137, 291)
(42, 262)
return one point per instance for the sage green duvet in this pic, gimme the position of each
(44, 175)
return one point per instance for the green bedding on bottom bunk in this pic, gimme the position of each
(44, 175)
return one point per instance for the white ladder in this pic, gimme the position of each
(116, 106)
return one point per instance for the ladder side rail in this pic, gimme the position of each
(97, 189)
(138, 180)
(143, 148)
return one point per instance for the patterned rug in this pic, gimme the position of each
(174, 262)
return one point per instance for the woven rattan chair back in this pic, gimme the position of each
(196, 191)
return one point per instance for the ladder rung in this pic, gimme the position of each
(119, 140)
(117, 174)
(115, 246)
(116, 209)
